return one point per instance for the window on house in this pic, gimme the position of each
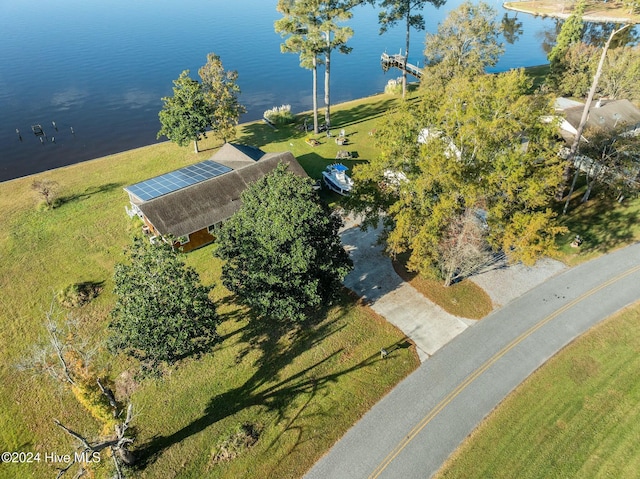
(214, 228)
(183, 239)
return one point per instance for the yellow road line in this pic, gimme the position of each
(472, 377)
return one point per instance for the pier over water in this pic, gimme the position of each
(398, 61)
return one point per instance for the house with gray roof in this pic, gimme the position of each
(189, 204)
(603, 114)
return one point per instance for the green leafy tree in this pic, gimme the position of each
(570, 34)
(395, 11)
(220, 92)
(620, 72)
(162, 312)
(282, 249)
(300, 25)
(466, 41)
(484, 147)
(579, 64)
(186, 115)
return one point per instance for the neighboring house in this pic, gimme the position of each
(189, 204)
(427, 134)
(603, 114)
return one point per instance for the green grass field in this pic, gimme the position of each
(603, 223)
(301, 391)
(578, 416)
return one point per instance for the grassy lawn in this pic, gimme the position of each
(465, 299)
(578, 416)
(603, 223)
(539, 74)
(301, 392)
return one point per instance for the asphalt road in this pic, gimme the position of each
(412, 431)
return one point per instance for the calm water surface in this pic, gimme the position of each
(101, 68)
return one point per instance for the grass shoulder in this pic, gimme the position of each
(578, 416)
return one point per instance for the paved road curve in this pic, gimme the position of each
(414, 429)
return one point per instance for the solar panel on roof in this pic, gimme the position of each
(176, 180)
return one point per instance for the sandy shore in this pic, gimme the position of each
(589, 17)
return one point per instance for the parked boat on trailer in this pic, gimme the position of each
(336, 179)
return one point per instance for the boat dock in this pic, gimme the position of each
(398, 61)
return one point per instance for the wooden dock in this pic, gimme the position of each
(397, 61)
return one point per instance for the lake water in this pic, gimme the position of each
(101, 68)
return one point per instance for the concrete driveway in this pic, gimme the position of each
(374, 279)
(425, 323)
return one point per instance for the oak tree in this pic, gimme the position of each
(471, 145)
(162, 312)
(466, 41)
(282, 250)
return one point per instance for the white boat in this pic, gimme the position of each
(336, 179)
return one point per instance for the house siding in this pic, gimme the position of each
(196, 240)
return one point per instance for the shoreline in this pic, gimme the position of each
(589, 17)
(160, 143)
(239, 126)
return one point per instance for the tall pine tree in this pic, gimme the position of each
(395, 11)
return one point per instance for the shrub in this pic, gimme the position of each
(279, 115)
(244, 437)
(79, 294)
(47, 191)
(394, 86)
(88, 393)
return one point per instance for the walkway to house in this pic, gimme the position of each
(425, 323)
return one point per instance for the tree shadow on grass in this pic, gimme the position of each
(264, 388)
(360, 113)
(260, 134)
(603, 225)
(87, 193)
